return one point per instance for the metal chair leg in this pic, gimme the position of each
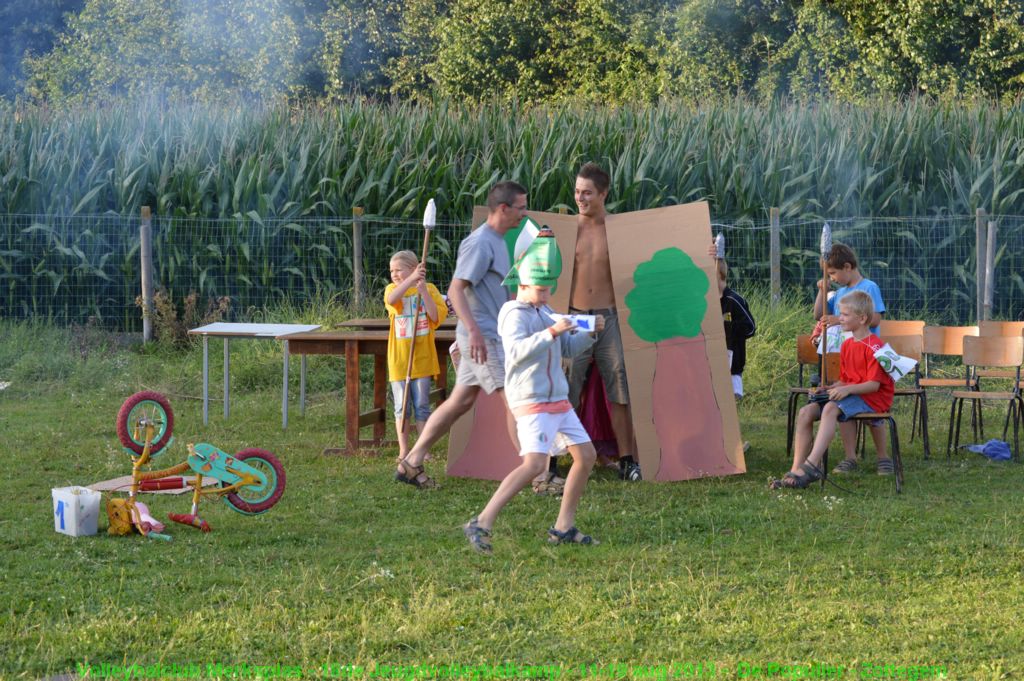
(790, 422)
(954, 425)
(913, 419)
(924, 426)
(824, 468)
(897, 458)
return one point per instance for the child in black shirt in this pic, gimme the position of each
(739, 326)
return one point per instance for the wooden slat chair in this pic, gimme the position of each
(990, 328)
(907, 327)
(1000, 352)
(946, 341)
(807, 357)
(900, 327)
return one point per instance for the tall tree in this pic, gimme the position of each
(29, 28)
(244, 47)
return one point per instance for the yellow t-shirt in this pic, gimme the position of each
(424, 361)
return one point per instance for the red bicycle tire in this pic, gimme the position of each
(124, 428)
(267, 503)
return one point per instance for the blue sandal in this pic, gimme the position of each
(791, 480)
(477, 536)
(570, 536)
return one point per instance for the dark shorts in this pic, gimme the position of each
(607, 354)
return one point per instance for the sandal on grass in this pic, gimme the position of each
(477, 536)
(810, 473)
(775, 483)
(845, 466)
(415, 476)
(886, 467)
(570, 536)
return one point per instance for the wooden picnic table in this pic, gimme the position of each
(370, 323)
(353, 344)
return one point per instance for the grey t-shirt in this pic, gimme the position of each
(483, 262)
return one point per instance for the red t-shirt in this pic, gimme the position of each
(857, 364)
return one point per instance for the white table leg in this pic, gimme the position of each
(206, 379)
(227, 369)
(284, 390)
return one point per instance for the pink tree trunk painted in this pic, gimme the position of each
(687, 417)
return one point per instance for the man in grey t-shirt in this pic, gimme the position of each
(477, 295)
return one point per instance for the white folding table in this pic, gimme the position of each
(227, 331)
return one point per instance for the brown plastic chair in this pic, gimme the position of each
(899, 327)
(894, 444)
(947, 341)
(909, 346)
(990, 328)
(912, 346)
(1003, 352)
(806, 356)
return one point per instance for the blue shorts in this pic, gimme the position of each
(419, 397)
(851, 405)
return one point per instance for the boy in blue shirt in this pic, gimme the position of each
(841, 266)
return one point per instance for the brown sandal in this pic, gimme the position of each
(415, 476)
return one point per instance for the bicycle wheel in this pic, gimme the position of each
(253, 499)
(145, 405)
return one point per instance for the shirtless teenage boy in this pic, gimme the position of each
(592, 293)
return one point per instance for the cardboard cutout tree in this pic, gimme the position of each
(684, 412)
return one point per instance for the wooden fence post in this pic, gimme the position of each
(146, 269)
(357, 257)
(775, 256)
(990, 266)
(979, 260)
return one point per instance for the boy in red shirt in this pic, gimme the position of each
(863, 386)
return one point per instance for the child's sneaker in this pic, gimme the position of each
(885, 467)
(845, 466)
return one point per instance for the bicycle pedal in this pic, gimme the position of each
(190, 520)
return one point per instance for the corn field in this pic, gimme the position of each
(909, 158)
(255, 201)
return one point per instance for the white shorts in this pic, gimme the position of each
(549, 433)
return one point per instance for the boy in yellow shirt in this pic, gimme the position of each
(409, 321)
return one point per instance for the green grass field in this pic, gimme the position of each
(352, 575)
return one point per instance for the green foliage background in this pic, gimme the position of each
(593, 51)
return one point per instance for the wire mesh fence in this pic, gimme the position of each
(82, 268)
(924, 266)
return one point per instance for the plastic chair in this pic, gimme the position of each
(894, 445)
(899, 327)
(912, 346)
(990, 328)
(1003, 352)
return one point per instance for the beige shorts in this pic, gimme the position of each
(490, 375)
